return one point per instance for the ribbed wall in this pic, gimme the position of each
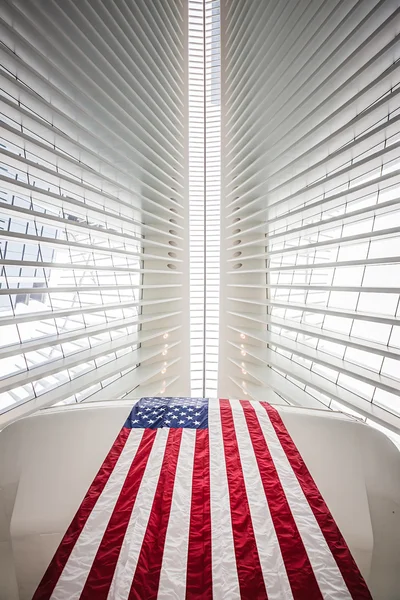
(312, 203)
(92, 217)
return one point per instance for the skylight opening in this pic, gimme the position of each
(204, 192)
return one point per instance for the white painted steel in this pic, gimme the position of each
(123, 127)
(92, 190)
(311, 177)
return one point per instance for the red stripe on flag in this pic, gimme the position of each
(102, 571)
(337, 545)
(56, 567)
(199, 571)
(147, 575)
(298, 567)
(251, 581)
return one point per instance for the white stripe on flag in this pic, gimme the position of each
(174, 564)
(224, 572)
(128, 557)
(272, 565)
(75, 572)
(325, 568)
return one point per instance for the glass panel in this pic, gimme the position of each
(204, 191)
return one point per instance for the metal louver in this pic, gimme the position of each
(311, 205)
(91, 194)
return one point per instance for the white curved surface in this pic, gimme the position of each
(50, 459)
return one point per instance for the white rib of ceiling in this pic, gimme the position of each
(92, 225)
(312, 203)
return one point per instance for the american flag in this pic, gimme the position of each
(203, 499)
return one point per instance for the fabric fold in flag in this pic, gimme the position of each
(206, 499)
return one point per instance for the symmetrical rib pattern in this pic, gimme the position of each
(91, 196)
(110, 191)
(312, 203)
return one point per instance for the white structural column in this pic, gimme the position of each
(92, 188)
(204, 192)
(311, 202)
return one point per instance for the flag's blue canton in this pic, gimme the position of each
(152, 413)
